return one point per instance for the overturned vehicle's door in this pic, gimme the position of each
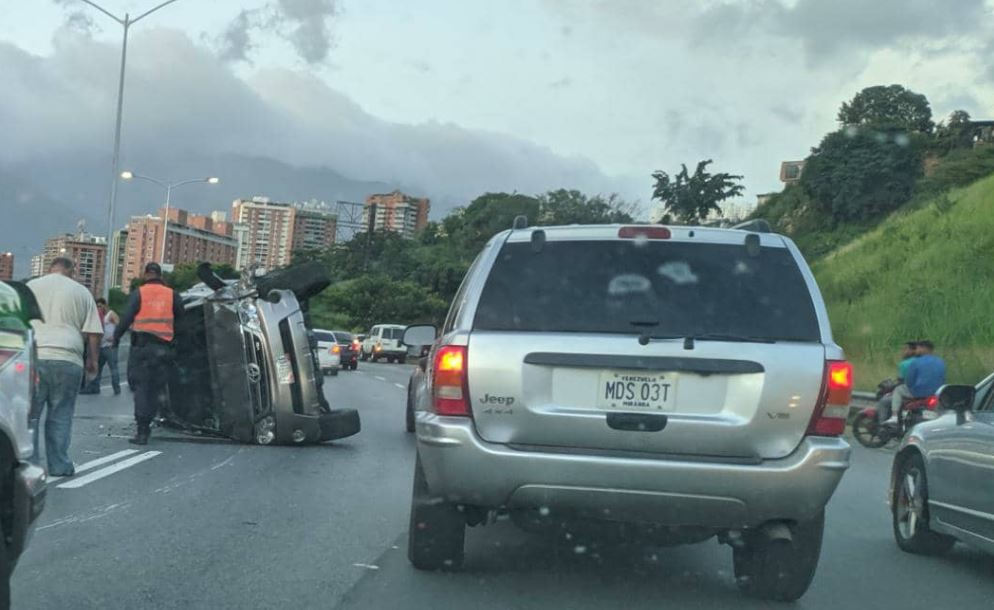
(245, 367)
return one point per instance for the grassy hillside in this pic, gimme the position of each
(925, 272)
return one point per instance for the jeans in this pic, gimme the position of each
(897, 398)
(58, 385)
(108, 356)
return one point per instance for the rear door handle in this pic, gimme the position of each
(636, 422)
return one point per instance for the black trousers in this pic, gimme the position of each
(151, 363)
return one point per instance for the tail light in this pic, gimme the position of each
(829, 417)
(450, 390)
(932, 403)
(335, 349)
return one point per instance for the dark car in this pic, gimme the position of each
(245, 365)
(349, 345)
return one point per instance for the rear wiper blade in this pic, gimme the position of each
(732, 338)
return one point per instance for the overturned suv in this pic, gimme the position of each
(245, 363)
(659, 384)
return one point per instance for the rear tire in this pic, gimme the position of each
(866, 430)
(363, 356)
(354, 365)
(438, 529)
(909, 511)
(402, 359)
(780, 570)
(333, 372)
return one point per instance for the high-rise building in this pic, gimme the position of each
(6, 265)
(38, 265)
(314, 226)
(269, 234)
(118, 256)
(189, 238)
(88, 252)
(397, 212)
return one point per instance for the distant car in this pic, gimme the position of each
(328, 350)
(22, 483)
(672, 384)
(941, 488)
(348, 347)
(384, 342)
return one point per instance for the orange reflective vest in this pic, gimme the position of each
(155, 316)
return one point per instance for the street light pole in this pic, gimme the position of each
(169, 186)
(126, 24)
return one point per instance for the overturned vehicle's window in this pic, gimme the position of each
(670, 288)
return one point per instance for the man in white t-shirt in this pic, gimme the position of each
(69, 312)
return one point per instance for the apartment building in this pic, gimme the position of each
(88, 252)
(188, 238)
(397, 212)
(6, 266)
(314, 227)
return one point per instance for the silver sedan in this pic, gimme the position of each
(941, 488)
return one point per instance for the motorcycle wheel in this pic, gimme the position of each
(866, 430)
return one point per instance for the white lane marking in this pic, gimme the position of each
(368, 566)
(399, 385)
(98, 462)
(77, 482)
(224, 463)
(380, 378)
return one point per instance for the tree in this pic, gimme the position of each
(888, 108)
(956, 132)
(564, 207)
(691, 198)
(856, 176)
(376, 299)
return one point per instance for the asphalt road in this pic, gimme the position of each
(204, 523)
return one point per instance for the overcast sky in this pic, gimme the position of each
(459, 96)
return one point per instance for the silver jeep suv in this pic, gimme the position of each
(672, 383)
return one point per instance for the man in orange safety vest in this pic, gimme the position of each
(151, 315)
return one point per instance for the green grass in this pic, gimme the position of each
(923, 273)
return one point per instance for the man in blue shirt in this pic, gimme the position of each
(926, 374)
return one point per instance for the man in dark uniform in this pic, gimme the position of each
(151, 315)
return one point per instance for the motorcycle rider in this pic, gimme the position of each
(926, 374)
(908, 354)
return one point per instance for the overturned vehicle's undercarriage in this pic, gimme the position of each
(245, 365)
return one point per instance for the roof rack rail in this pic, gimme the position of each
(756, 225)
(520, 222)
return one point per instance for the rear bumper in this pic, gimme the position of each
(461, 467)
(28, 501)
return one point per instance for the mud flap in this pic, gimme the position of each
(339, 423)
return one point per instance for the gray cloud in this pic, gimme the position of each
(62, 105)
(236, 41)
(825, 28)
(305, 24)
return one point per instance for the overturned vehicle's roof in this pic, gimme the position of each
(245, 366)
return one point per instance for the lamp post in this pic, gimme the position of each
(126, 24)
(169, 186)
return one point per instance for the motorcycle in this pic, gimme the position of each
(868, 430)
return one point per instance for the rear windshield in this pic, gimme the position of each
(344, 338)
(393, 333)
(324, 337)
(669, 289)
